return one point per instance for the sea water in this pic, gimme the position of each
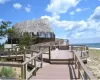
(94, 45)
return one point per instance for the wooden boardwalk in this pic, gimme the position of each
(56, 71)
(59, 54)
(58, 64)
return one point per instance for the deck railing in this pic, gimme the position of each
(33, 60)
(83, 72)
(84, 52)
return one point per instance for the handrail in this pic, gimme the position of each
(80, 65)
(32, 58)
(82, 48)
(10, 64)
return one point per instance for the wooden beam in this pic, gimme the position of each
(49, 54)
(35, 67)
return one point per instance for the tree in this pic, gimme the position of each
(12, 34)
(25, 40)
(3, 28)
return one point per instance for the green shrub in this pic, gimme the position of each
(7, 72)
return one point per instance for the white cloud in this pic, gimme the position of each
(1, 20)
(79, 29)
(74, 29)
(78, 10)
(52, 18)
(96, 14)
(28, 8)
(61, 6)
(17, 6)
(72, 13)
(3, 1)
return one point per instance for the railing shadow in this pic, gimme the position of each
(73, 74)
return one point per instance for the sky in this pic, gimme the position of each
(76, 20)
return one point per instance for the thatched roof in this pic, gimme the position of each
(35, 26)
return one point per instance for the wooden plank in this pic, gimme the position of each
(13, 64)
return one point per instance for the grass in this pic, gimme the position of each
(7, 72)
(94, 62)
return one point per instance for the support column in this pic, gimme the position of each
(49, 54)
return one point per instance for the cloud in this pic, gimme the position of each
(79, 29)
(72, 13)
(28, 8)
(61, 6)
(1, 20)
(3, 1)
(17, 6)
(78, 10)
(89, 28)
(96, 14)
(52, 18)
(76, 29)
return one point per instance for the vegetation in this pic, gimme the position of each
(3, 28)
(7, 72)
(1, 46)
(26, 40)
(94, 62)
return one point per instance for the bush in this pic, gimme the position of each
(7, 72)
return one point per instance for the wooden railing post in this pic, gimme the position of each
(71, 48)
(24, 71)
(9, 52)
(16, 51)
(24, 55)
(81, 51)
(39, 48)
(73, 57)
(87, 50)
(78, 70)
(75, 61)
(32, 56)
(34, 67)
(49, 54)
(41, 60)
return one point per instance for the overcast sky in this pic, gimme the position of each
(76, 20)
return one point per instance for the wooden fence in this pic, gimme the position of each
(83, 72)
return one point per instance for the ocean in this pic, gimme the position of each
(94, 45)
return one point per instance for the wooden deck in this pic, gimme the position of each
(56, 71)
(59, 54)
(53, 71)
(58, 64)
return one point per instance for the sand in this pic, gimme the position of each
(93, 63)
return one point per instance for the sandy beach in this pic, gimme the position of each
(93, 63)
(94, 48)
